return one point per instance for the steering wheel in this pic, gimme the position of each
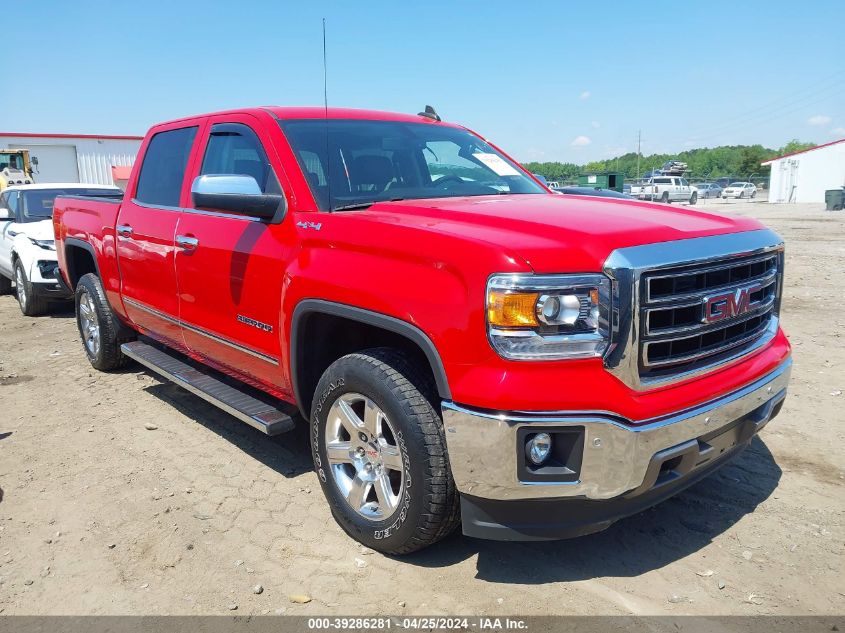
(447, 178)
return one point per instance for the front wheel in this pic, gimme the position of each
(693, 198)
(379, 450)
(31, 304)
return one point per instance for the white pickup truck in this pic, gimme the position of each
(27, 247)
(668, 189)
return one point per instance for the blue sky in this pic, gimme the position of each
(545, 80)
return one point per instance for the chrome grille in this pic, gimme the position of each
(696, 314)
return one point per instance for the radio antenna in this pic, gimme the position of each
(325, 73)
(328, 167)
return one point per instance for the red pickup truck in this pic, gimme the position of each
(466, 346)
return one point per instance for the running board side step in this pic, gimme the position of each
(260, 415)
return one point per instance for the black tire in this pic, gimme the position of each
(693, 198)
(5, 286)
(30, 303)
(665, 197)
(105, 356)
(741, 195)
(427, 506)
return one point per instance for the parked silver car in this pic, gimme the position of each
(708, 190)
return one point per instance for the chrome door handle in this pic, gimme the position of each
(188, 243)
(124, 230)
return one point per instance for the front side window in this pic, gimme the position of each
(11, 202)
(354, 163)
(163, 169)
(234, 149)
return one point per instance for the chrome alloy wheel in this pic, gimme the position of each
(89, 324)
(364, 456)
(19, 285)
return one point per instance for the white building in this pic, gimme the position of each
(75, 157)
(805, 176)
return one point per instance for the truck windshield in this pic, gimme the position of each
(361, 162)
(12, 161)
(37, 204)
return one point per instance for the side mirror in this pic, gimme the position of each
(6, 213)
(238, 194)
(35, 160)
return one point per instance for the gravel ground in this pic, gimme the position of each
(100, 515)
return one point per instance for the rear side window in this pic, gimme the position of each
(234, 149)
(163, 170)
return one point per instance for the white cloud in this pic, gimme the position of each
(838, 130)
(585, 95)
(581, 141)
(596, 124)
(819, 119)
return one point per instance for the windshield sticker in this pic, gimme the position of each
(496, 163)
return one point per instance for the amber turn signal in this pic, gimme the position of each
(512, 309)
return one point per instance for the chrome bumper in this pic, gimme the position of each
(617, 456)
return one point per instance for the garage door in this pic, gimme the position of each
(56, 163)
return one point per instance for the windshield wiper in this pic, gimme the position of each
(363, 205)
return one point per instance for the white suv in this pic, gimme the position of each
(668, 189)
(739, 190)
(27, 247)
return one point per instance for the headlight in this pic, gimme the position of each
(49, 245)
(548, 317)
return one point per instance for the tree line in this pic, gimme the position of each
(741, 161)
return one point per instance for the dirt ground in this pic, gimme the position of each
(101, 516)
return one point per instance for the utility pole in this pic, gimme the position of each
(639, 139)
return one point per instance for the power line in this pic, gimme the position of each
(759, 113)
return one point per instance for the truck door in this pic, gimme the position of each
(230, 267)
(146, 227)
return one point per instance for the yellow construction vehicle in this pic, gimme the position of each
(16, 167)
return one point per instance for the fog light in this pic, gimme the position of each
(538, 448)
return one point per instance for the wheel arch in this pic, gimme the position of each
(80, 259)
(317, 320)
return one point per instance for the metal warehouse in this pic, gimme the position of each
(88, 158)
(805, 176)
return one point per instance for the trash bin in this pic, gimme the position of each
(834, 199)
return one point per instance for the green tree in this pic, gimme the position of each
(740, 161)
(794, 146)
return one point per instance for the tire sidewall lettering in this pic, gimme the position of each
(315, 427)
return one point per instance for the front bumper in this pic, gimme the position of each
(620, 461)
(46, 281)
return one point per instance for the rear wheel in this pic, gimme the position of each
(380, 452)
(102, 332)
(665, 197)
(31, 304)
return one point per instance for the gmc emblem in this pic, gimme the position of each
(728, 304)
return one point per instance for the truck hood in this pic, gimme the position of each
(547, 230)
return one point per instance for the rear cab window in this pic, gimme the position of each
(163, 169)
